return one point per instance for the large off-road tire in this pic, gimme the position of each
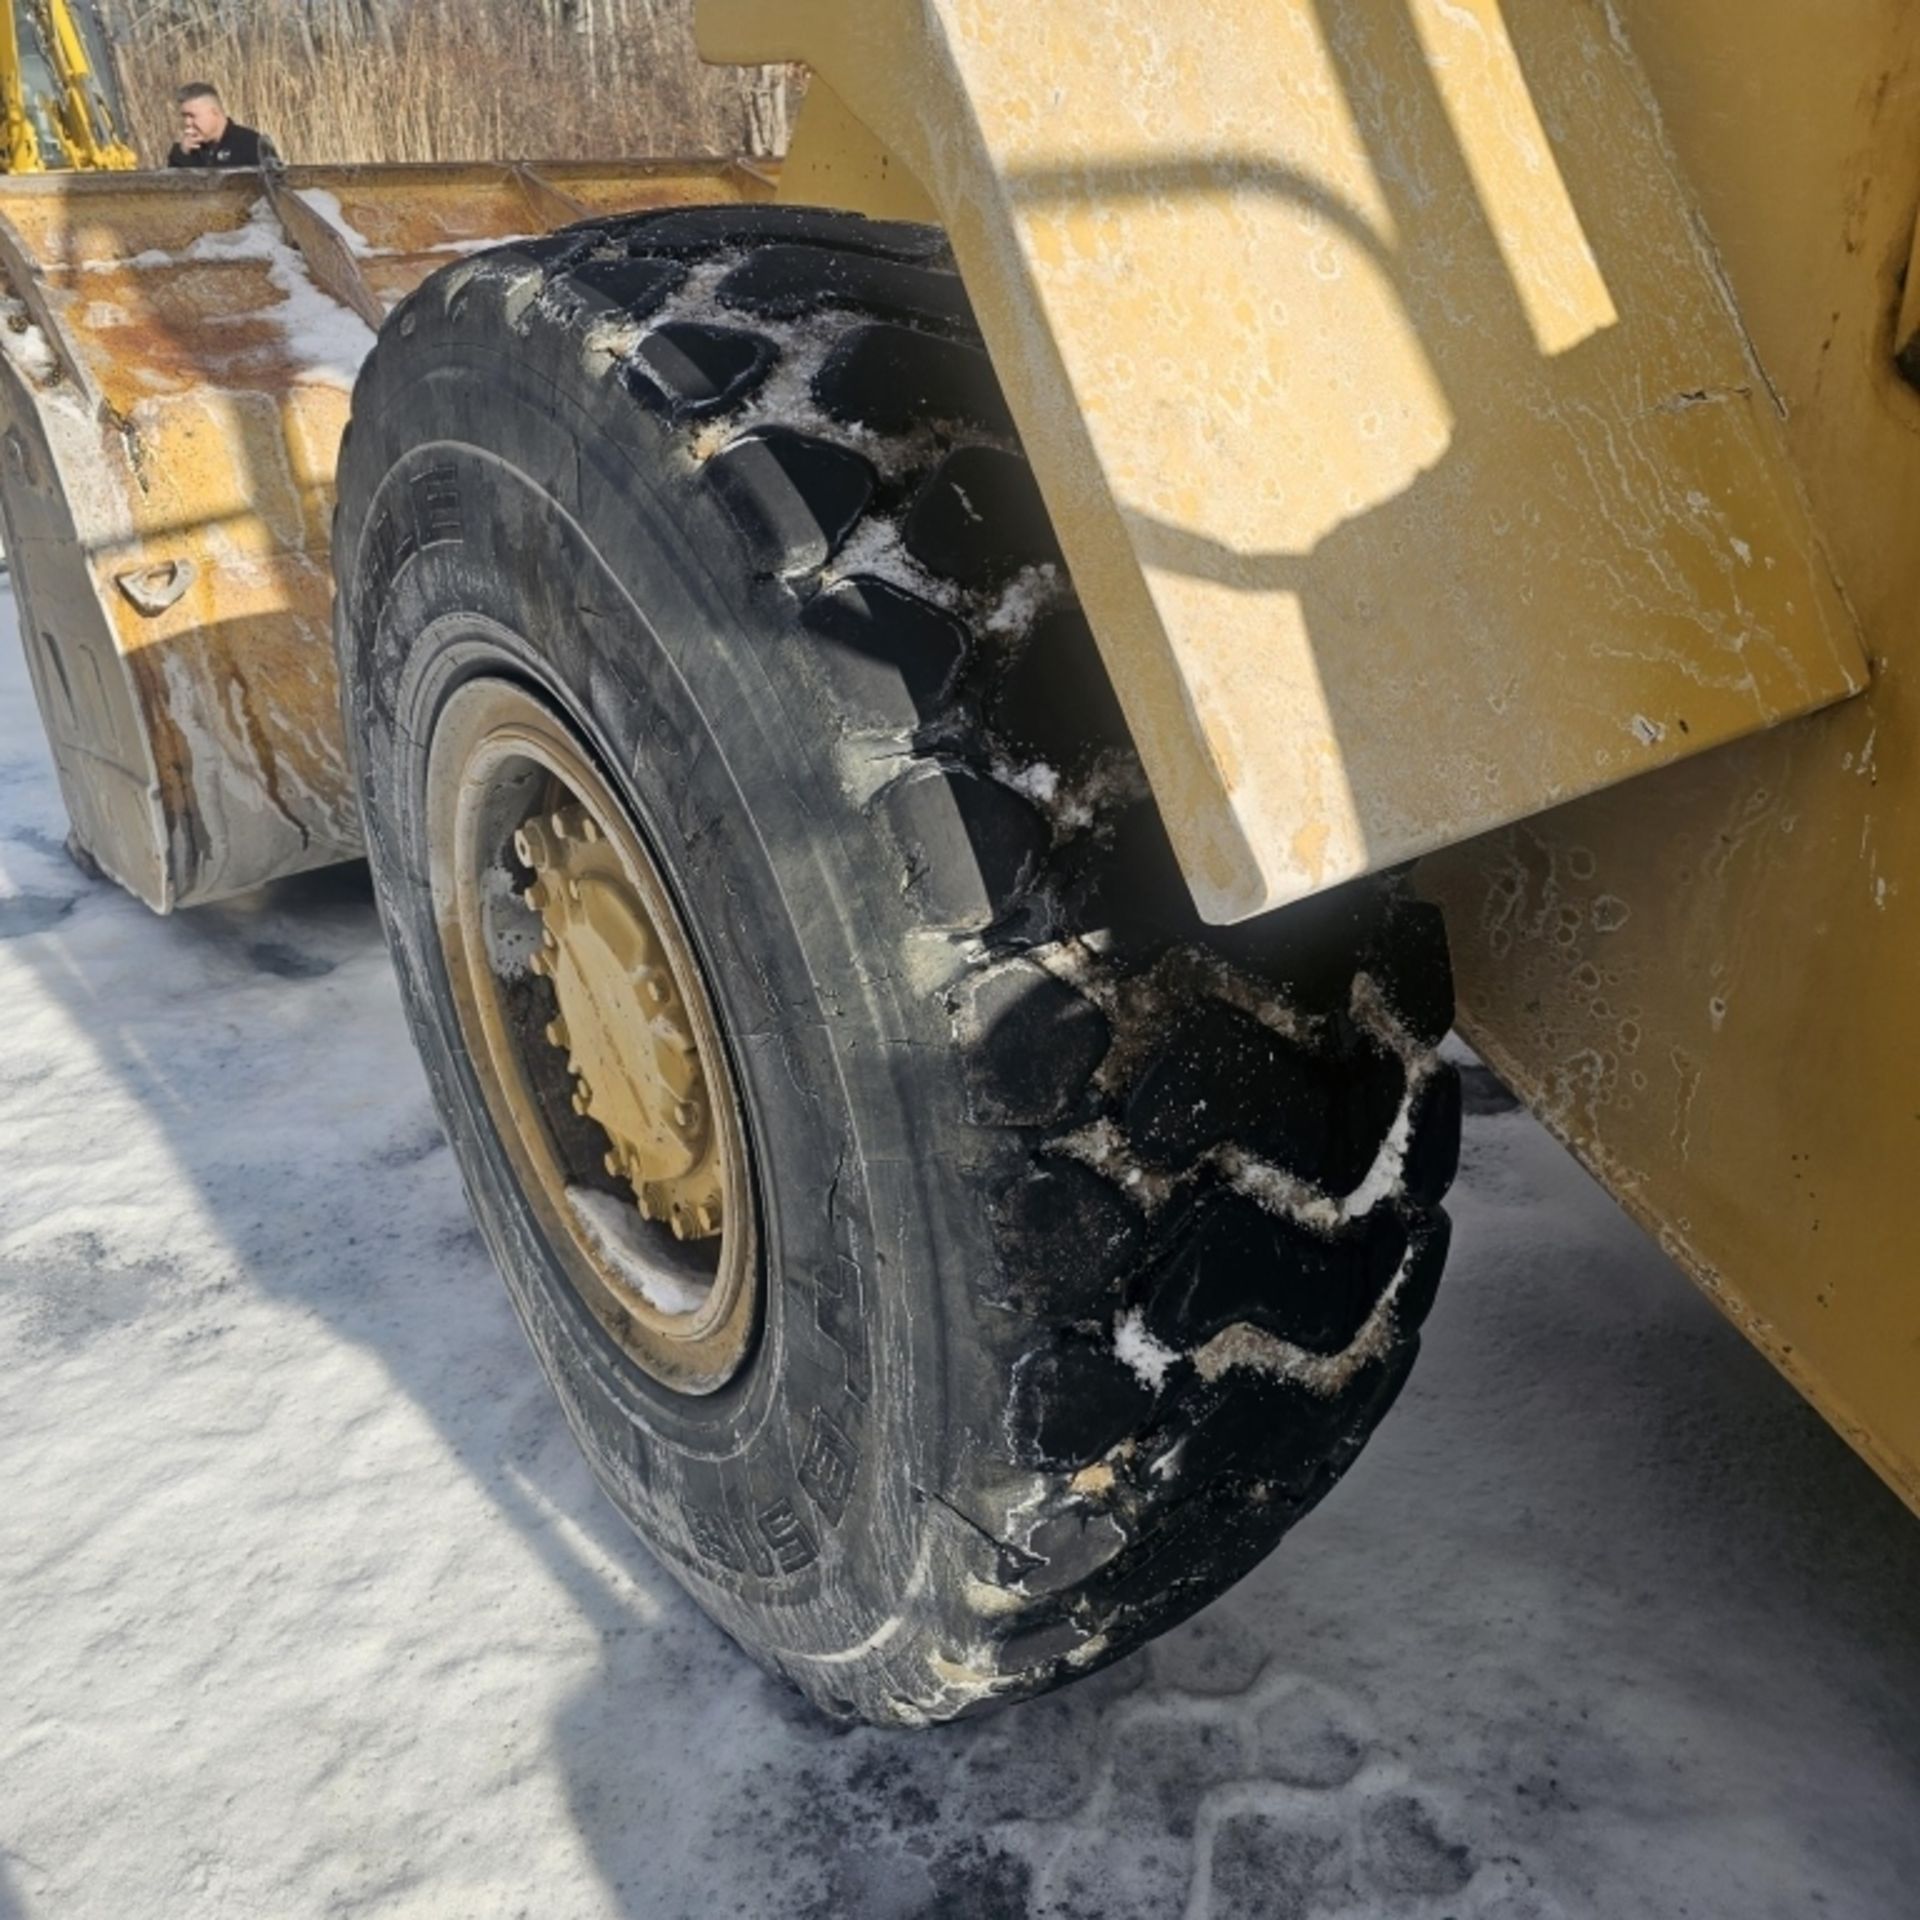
(1092, 1242)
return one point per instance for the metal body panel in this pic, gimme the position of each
(836, 162)
(1407, 450)
(1706, 981)
(175, 374)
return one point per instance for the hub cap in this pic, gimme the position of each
(623, 1026)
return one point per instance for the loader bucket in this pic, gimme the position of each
(177, 356)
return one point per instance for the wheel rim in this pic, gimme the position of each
(586, 1018)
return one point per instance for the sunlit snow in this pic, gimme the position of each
(308, 1605)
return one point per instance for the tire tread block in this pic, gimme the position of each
(1031, 1044)
(900, 380)
(892, 657)
(1068, 1241)
(690, 371)
(792, 497)
(1056, 702)
(1222, 1078)
(1233, 1262)
(1433, 1152)
(636, 288)
(979, 520)
(1073, 1400)
(969, 845)
(1413, 971)
(790, 282)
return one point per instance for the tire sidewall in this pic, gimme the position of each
(795, 1493)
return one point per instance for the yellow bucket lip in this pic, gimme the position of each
(179, 380)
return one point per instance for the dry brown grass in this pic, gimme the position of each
(449, 79)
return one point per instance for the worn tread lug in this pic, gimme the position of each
(635, 288)
(690, 371)
(1073, 1400)
(788, 282)
(1056, 702)
(1217, 1270)
(970, 846)
(1070, 1239)
(792, 497)
(1221, 1078)
(979, 519)
(1433, 1156)
(1031, 1044)
(890, 656)
(901, 380)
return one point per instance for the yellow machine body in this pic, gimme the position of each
(1453, 408)
(1477, 433)
(1706, 981)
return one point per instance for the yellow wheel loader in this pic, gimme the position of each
(921, 727)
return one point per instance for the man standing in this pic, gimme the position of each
(208, 138)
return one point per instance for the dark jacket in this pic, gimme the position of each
(238, 147)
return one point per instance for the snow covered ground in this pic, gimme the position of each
(307, 1605)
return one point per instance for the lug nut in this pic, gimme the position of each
(534, 844)
(557, 1034)
(709, 1219)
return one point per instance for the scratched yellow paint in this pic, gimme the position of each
(1707, 981)
(1415, 479)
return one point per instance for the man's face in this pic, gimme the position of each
(202, 122)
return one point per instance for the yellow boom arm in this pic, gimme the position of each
(71, 119)
(84, 108)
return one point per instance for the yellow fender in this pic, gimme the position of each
(1396, 422)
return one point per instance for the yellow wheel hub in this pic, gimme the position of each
(623, 1026)
(584, 1016)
